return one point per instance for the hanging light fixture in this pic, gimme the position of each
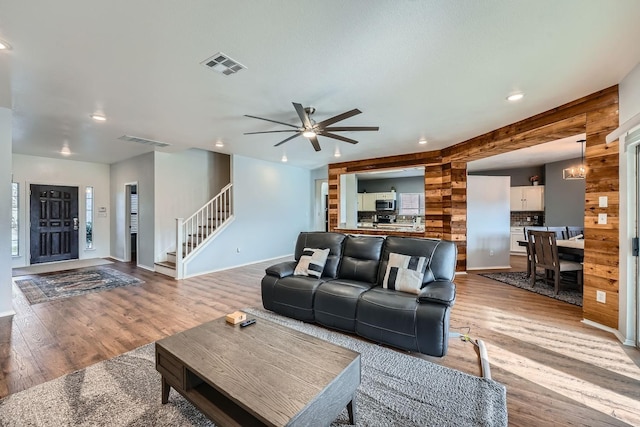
(579, 171)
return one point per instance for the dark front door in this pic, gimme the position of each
(54, 223)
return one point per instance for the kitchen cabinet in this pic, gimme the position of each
(390, 195)
(527, 198)
(367, 201)
(517, 233)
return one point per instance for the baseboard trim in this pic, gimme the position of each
(146, 267)
(7, 313)
(236, 266)
(460, 273)
(621, 338)
(496, 267)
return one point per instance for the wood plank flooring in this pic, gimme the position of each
(557, 370)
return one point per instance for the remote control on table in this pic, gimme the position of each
(247, 323)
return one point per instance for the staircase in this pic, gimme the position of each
(196, 232)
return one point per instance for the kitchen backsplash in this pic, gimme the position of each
(527, 218)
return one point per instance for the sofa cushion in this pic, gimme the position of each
(293, 297)
(322, 240)
(360, 258)
(404, 273)
(311, 262)
(335, 303)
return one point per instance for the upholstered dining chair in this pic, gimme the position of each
(544, 254)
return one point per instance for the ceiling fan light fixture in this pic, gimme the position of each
(309, 133)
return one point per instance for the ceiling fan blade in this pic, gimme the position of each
(288, 139)
(304, 117)
(339, 137)
(273, 121)
(315, 143)
(271, 131)
(339, 117)
(351, 128)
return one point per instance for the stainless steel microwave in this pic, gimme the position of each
(385, 205)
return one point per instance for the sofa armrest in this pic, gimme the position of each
(438, 291)
(282, 269)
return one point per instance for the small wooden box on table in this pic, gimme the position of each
(264, 374)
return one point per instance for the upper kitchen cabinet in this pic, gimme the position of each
(527, 198)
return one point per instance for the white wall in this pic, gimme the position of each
(29, 170)
(184, 182)
(629, 106)
(488, 222)
(271, 206)
(6, 307)
(140, 170)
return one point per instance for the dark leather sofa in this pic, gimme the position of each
(349, 295)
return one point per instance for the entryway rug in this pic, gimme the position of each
(520, 280)
(49, 287)
(396, 390)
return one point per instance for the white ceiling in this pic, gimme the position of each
(418, 69)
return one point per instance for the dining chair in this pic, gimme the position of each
(561, 232)
(544, 254)
(574, 231)
(526, 237)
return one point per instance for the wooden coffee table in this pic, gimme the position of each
(264, 374)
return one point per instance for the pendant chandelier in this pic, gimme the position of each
(579, 171)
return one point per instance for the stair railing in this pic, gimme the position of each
(193, 231)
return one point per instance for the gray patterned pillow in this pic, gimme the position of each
(311, 262)
(404, 273)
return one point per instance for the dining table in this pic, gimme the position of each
(570, 247)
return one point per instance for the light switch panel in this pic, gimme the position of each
(602, 219)
(603, 201)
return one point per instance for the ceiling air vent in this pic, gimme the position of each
(144, 141)
(221, 63)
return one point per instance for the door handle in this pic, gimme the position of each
(75, 224)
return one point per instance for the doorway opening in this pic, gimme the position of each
(131, 222)
(321, 217)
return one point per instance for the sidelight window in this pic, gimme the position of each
(14, 220)
(89, 217)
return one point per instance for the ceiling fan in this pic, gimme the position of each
(310, 129)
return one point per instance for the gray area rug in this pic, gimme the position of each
(49, 287)
(520, 280)
(397, 390)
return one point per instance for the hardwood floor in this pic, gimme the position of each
(557, 370)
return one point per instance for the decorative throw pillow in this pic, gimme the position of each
(404, 273)
(311, 262)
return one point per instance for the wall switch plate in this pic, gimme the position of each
(602, 218)
(601, 296)
(603, 201)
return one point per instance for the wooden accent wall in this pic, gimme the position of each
(445, 186)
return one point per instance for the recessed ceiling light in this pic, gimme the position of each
(219, 144)
(65, 151)
(515, 97)
(4, 45)
(98, 117)
(422, 141)
(337, 153)
(284, 158)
